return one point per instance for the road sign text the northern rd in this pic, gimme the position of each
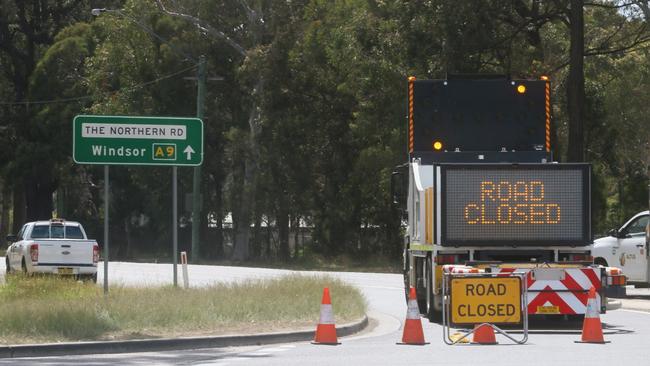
(124, 140)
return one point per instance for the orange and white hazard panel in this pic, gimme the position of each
(565, 295)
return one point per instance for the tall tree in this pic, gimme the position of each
(26, 29)
(248, 33)
(576, 82)
(137, 68)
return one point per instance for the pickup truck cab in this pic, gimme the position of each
(56, 247)
(627, 248)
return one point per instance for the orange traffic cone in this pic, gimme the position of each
(484, 334)
(326, 330)
(592, 330)
(413, 326)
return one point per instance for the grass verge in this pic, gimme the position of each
(314, 262)
(52, 309)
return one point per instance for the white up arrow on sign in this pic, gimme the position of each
(189, 151)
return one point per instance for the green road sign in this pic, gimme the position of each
(122, 140)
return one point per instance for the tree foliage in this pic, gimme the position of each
(306, 120)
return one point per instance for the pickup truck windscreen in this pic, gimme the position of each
(56, 232)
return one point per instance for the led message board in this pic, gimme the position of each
(520, 204)
(479, 115)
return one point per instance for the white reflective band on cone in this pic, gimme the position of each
(592, 309)
(413, 312)
(326, 314)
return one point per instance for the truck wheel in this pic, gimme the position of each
(433, 314)
(23, 266)
(600, 261)
(7, 267)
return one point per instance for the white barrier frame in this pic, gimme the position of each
(446, 280)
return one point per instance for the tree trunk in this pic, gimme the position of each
(218, 238)
(269, 242)
(256, 243)
(39, 190)
(247, 200)
(295, 227)
(215, 242)
(241, 222)
(4, 211)
(19, 207)
(127, 239)
(576, 84)
(283, 232)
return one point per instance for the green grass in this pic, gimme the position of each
(51, 309)
(314, 262)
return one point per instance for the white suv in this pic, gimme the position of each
(627, 248)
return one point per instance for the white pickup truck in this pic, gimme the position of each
(55, 246)
(627, 248)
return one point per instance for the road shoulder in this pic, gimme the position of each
(149, 345)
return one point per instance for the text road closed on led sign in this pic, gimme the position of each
(531, 205)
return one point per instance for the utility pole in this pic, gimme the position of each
(196, 183)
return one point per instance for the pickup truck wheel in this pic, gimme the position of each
(91, 278)
(7, 267)
(23, 266)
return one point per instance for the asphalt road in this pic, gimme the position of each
(628, 331)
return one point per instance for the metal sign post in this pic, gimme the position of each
(106, 205)
(175, 222)
(485, 299)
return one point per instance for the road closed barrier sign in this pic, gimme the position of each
(485, 300)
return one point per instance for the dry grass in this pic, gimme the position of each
(51, 309)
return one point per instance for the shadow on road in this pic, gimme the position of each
(572, 325)
(204, 356)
